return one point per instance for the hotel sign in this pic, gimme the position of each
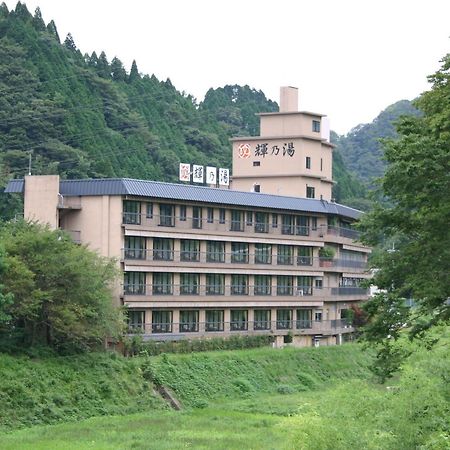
(285, 149)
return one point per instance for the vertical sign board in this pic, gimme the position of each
(185, 172)
(224, 177)
(211, 175)
(197, 174)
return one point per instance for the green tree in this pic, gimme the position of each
(62, 291)
(416, 219)
(134, 73)
(117, 70)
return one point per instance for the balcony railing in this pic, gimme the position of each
(254, 327)
(255, 290)
(239, 226)
(241, 258)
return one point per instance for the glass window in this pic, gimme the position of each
(257, 188)
(318, 315)
(188, 321)
(310, 192)
(190, 250)
(318, 283)
(149, 210)
(131, 212)
(308, 162)
(274, 220)
(314, 223)
(263, 254)
(239, 284)
(304, 318)
(189, 283)
(285, 255)
(237, 223)
(239, 252)
(136, 320)
(263, 284)
(210, 215)
(215, 251)
(214, 320)
(215, 284)
(134, 283)
(162, 249)
(304, 285)
(166, 215)
(196, 217)
(285, 285)
(302, 225)
(305, 257)
(161, 321)
(284, 319)
(262, 319)
(287, 224)
(162, 283)
(249, 220)
(316, 126)
(221, 215)
(183, 213)
(261, 222)
(135, 247)
(238, 319)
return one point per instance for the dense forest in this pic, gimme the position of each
(83, 115)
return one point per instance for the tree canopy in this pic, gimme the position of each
(415, 220)
(54, 292)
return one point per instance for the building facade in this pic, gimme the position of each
(273, 255)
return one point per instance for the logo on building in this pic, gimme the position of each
(244, 151)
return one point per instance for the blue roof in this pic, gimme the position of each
(184, 192)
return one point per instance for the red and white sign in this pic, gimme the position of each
(244, 151)
(185, 172)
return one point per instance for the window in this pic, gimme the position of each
(214, 320)
(263, 254)
(135, 247)
(256, 188)
(190, 250)
(183, 213)
(262, 319)
(287, 224)
(166, 215)
(302, 226)
(284, 319)
(196, 217)
(263, 285)
(308, 162)
(189, 283)
(131, 212)
(162, 283)
(318, 284)
(188, 321)
(310, 192)
(215, 284)
(274, 220)
(314, 223)
(161, 321)
(149, 210)
(285, 285)
(239, 252)
(210, 215)
(215, 251)
(285, 255)
(304, 285)
(236, 220)
(316, 126)
(239, 284)
(318, 316)
(136, 320)
(162, 249)
(261, 222)
(134, 283)
(304, 318)
(221, 215)
(305, 257)
(238, 319)
(256, 163)
(249, 218)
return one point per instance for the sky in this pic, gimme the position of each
(350, 59)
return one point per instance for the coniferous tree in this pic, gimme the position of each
(38, 21)
(134, 73)
(4, 10)
(103, 68)
(51, 28)
(69, 43)
(118, 72)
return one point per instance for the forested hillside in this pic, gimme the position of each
(87, 116)
(361, 148)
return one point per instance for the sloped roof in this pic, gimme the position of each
(183, 192)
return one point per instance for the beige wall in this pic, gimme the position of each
(288, 124)
(41, 199)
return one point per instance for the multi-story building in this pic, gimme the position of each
(206, 262)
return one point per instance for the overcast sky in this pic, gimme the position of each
(350, 59)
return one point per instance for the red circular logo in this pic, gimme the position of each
(244, 151)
